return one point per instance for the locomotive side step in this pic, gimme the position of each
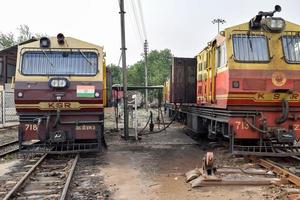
(63, 148)
(270, 151)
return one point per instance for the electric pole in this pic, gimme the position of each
(123, 48)
(218, 21)
(146, 74)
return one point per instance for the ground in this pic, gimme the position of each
(154, 168)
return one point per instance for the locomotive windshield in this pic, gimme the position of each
(59, 63)
(250, 48)
(291, 48)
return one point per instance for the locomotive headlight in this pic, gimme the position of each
(275, 24)
(97, 94)
(20, 94)
(44, 42)
(58, 83)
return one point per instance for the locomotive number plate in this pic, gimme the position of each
(261, 96)
(60, 105)
(241, 125)
(86, 128)
(30, 127)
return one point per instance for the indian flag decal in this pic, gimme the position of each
(85, 91)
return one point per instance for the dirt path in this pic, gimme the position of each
(154, 169)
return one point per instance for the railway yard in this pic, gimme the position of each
(152, 168)
(219, 122)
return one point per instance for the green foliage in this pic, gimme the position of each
(7, 40)
(24, 33)
(116, 73)
(159, 63)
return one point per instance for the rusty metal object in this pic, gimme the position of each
(193, 174)
(208, 165)
(19, 184)
(283, 173)
(68, 181)
(200, 182)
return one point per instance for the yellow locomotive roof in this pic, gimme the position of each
(69, 43)
(289, 26)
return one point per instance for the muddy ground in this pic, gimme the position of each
(154, 167)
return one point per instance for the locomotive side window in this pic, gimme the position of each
(250, 48)
(59, 63)
(221, 58)
(291, 48)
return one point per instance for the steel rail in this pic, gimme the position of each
(10, 151)
(68, 181)
(8, 143)
(279, 171)
(23, 179)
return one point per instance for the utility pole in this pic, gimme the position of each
(218, 21)
(123, 48)
(146, 73)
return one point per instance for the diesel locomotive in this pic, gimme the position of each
(60, 93)
(244, 86)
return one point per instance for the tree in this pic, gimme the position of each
(159, 63)
(24, 33)
(116, 73)
(6, 40)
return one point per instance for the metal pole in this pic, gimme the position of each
(3, 107)
(146, 73)
(218, 21)
(123, 48)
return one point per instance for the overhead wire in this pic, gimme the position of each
(142, 19)
(137, 22)
(133, 22)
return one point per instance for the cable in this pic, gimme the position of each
(136, 20)
(168, 125)
(142, 19)
(140, 132)
(120, 60)
(133, 23)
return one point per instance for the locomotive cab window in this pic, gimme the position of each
(291, 48)
(79, 62)
(250, 48)
(221, 59)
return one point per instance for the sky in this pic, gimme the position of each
(183, 26)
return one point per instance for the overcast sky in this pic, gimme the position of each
(184, 26)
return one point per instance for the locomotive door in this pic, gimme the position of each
(211, 75)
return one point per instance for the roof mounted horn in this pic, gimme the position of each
(255, 22)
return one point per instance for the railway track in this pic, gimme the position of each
(48, 178)
(8, 148)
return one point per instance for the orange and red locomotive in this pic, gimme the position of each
(60, 92)
(244, 86)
